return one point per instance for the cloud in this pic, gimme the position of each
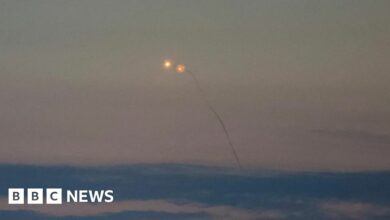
(354, 210)
(355, 135)
(200, 192)
(204, 185)
(83, 209)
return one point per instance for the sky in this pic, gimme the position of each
(302, 86)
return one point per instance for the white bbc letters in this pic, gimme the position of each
(35, 196)
(15, 196)
(54, 196)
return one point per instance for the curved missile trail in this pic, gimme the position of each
(219, 119)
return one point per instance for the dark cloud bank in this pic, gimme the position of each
(298, 195)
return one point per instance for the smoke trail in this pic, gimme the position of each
(219, 119)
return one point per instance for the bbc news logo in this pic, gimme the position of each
(18, 196)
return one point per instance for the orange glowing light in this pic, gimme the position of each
(167, 64)
(180, 68)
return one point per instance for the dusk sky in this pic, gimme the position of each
(302, 86)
